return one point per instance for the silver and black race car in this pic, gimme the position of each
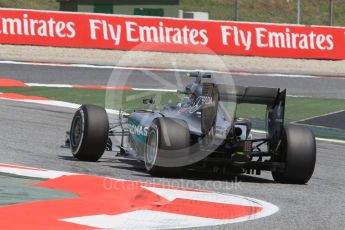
(198, 133)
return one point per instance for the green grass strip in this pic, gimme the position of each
(297, 108)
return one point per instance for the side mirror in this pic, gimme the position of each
(148, 101)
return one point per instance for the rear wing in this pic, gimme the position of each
(251, 95)
(272, 97)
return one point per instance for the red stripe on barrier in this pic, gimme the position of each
(61, 29)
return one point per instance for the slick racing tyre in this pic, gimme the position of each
(298, 154)
(89, 133)
(167, 139)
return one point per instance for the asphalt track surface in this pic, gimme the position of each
(302, 86)
(331, 120)
(32, 134)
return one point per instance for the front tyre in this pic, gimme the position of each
(167, 139)
(89, 133)
(298, 154)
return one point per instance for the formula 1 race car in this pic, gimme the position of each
(198, 133)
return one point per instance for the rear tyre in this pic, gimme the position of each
(89, 133)
(298, 154)
(167, 139)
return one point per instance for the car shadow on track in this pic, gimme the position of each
(102, 160)
(67, 158)
(137, 167)
(128, 164)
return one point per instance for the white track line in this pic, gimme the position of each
(323, 115)
(32, 172)
(105, 87)
(155, 90)
(49, 85)
(55, 103)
